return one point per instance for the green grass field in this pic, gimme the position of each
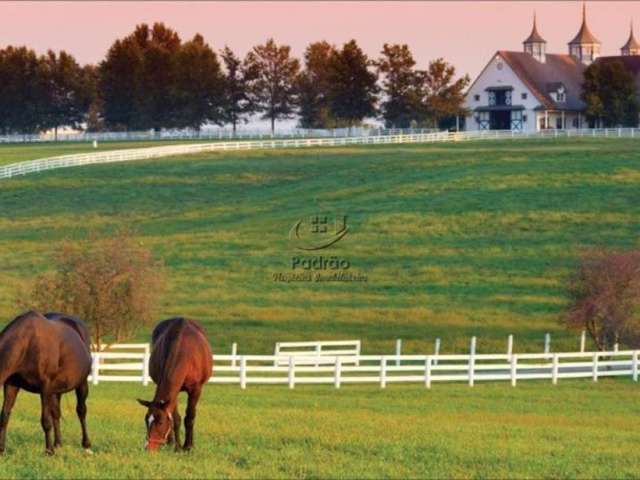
(574, 430)
(456, 240)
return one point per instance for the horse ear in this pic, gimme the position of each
(144, 403)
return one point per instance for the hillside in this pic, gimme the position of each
(455, 240)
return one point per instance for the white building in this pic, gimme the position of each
(534, 90)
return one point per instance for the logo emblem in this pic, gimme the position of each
(318, 232)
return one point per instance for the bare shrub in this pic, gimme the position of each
(605, 297)
(112, 283)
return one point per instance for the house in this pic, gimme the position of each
(534, 90)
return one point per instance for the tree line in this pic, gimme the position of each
(151, 79)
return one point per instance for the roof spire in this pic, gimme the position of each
(534, 36)
(584, 35)
(632, 47)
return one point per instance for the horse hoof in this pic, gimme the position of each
(49, 453)
(88, 451)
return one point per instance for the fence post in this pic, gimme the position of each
(514, 370)
(472, 361)
(292, 372)
(510, 346)
(145, 367)
(234, 352)
(616, 347)
(595, 367)
(95, 368)
(398, 351)
(427, 372)
(547, 342)
(634, 366)
(554, 369)
(383, 372)
(338, 372)
(318, 355)
(243, 372)
(436, 351)
(583, 340)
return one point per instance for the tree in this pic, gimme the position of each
(610, 95)
(237, 104)
(402, 87)
(313, 86)
(23, 91)
(69, 91)
(273, 90)
(112, 283)
(200, 84)
(604, 294)
(352, 85)
(444, 96)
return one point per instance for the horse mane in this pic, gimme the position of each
(169, 333)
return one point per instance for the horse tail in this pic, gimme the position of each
(172, 337)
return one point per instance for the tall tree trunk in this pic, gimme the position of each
(55, 133)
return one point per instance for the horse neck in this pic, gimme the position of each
(10, 353)
(172, 374)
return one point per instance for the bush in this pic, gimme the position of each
(605, 297)
(112, 283)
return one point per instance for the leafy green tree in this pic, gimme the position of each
(200, 85)
(274, 89)
(69, 91)
(313, 86)
(352, 85)
(237, 103)
(402, 87)
(22, 91)
(444, 95)
(610, 95)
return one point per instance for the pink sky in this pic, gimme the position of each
(465, 33)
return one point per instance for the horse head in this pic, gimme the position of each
(158, 422)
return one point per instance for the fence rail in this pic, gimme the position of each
(469, 368)
(74, 160)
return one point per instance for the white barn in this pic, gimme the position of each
(534, 90)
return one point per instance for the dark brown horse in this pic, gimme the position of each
(49, 355)
(181, 361)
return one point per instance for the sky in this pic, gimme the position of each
(465, 33)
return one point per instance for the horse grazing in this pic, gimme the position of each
(181, 361)
(49, 355)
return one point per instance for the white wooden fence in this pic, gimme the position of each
(74, 160)
(469, 368)
(317, 353)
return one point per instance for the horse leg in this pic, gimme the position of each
(46, 399)
(176, 427)
(190, 417)
(55, 416)
(82, 392)
(10, 394)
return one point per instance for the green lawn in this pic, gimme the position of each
(576, 429)
(456, 240)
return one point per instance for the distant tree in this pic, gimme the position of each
(352, 85)
(313, 87)
(200, 85)
(237, 103)
(604, 294)
(23, 91)
(139, 80)
(444, 95)
(610, 94)
(120, 84)
(69, 91)
(273, 90)
(402, 87)
(113, 283)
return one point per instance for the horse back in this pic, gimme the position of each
(75, 323)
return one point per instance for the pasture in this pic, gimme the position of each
(455, 239)
(574, 430)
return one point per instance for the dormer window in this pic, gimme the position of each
(561, 95)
